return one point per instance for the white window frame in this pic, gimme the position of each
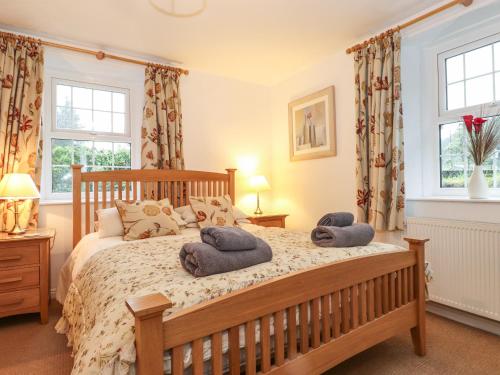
(444, 116)
(51, 132)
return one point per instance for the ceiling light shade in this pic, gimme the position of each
(179, 8)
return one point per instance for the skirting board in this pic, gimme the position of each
(463, 317)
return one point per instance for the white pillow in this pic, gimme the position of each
(110, 222)
(189, 217)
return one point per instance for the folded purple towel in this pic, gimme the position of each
(228, 238)
(201, 259)
(337, 219)
(353, 235)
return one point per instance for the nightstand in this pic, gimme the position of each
(25, 273)
(269, 220)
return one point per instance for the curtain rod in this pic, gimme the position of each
(100, 55)
(424, 16)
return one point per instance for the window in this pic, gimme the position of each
(472, 78)
(90, 126)
(456, 164)
(469, 83)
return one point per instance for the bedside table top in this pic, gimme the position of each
(267, 216)
(36, 234)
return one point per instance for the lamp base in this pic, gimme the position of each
(17, 230)
(258, 211)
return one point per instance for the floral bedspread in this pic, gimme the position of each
(101, 329)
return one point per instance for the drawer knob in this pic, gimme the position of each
(14, 257)
(16, 301)
(11, 280)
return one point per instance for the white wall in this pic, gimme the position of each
(308, 189)
(225, 126)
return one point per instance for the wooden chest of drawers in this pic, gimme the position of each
(25, 274)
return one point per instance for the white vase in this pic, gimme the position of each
(478, 186)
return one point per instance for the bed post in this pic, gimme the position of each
(77, 203)
(230, 173)
(148, 312)
(418, 332)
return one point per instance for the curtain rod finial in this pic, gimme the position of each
(100, 55)
(466, 3)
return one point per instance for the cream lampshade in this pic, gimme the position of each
(16, 187)
(259, 184)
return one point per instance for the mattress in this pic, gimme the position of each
(103, 274)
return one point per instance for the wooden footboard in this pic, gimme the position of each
(320, 316)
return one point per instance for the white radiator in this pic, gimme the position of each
(465, 259)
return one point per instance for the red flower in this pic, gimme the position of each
(478, 124)
(468, 122)
(26, 124)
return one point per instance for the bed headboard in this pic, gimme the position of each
(100, 189)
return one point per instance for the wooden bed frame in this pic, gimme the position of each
(343, 307)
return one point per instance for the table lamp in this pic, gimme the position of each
(259, 184)
(16, 187)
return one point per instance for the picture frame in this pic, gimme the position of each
(311, 126)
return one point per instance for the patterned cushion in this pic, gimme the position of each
(211, 211)
(149, 218)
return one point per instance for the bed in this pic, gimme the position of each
(131, 308)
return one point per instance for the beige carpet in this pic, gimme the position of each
(26, 347)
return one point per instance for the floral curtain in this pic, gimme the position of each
(379, 134)
(21, 86)
(162, 120)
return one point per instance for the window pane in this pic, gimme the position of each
(103, 154)
(479, 90)
(497, 85)
(63, 95)
(118, 102)
(455, 69)
(82, 119)
(62, 152)
(63, 118)
(497, 56)
(102, 121)
(61, 179)
(83, 152)
(478, 61)
(122, 154)
(82, 98)
(102, 100)
(118, 123)
(455, 96)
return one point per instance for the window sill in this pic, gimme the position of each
(55, 202)
(456, 199)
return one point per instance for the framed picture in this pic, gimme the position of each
(311, 122)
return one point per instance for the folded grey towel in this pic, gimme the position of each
(201, 259)
(228, 238)
(353, 235)
(337, 219)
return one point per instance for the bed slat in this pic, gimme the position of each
(234, 350)
(344, 296)
(178, 360)
(250, 366)
(291, 332)
(385, 294)
(304, 327)
(336, 313)
(87, 207)
(197, 357)
(362, 303)
(354, 307)
(325, 318)
(315, 323)
(279, 337)
(399, 293)
(371, 300)
(216, 351)
(265, 343)
(405, 286)
(392, 287)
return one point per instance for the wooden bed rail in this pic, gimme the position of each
(314, 318)
(100, 189)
